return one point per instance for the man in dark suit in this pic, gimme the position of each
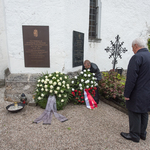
(137, 92)
(93, 69)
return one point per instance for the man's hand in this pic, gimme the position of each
(127, 98)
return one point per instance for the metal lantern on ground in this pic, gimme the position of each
(23, 98)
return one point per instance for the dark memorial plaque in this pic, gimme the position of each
(36, 46)
(78, 48)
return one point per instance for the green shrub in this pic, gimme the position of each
(112, 85)
(148, 44)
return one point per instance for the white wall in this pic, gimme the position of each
(128, 19)
(3, 45)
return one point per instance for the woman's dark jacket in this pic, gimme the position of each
(137, 86)
(94, 69)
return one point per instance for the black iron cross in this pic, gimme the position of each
(115, 50)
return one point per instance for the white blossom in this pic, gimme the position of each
(42, 89)
(65, 95)
(50, 75)
(89, 75)
(46, 86)
(59, 83)
(39, 80)
(87, 86)
(50, 82)
(62, 91)
(81, 72)
(39, 98)
(91, 85)
(95, 78)
(46, 77)
(53, 77)
(55, 92)
(82, 80)
(41, 85)
(65, 77)
(42, 80)
(60, 78)
(93, 74)
(80, 88)
(67, 84)
(72, 82)
(88, 70)
(58, 88)
(68, 87)
(57, 72)
(84, 70)
(51, 91)
(62, 100)
(37, 90)
(45, 82)
(91, 81)
(80, 84)
(72, 89)
(37, 85)
(42, 95)
(75, 77)
(57, 75)
(63, 82)
(59, 95)
(51, 86)
(54, 83)
(64, 86)
(85, 75)
(46, 90)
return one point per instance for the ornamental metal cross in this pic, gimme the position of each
(115, 50)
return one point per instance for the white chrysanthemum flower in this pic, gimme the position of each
(62, 100)
(55, 92)
(64, 86)
(62, 91)
(59, 83)
(67, 84)
(42, 95)
(54, 83)
(72, 89)
(65, 77)
(51, 91)
(81, 88)
(87, 86)
(42, 80)
(75, 77)
(95, 78)
(60, 78)
(50, 82)
(87, 81)
(57, 75)
(50, 75)
(65, 95)
(39, 98)
(80, 84)
(58, 88)
(41, 85)
(57, 72)
(42, 89)
(82, 80)
(63, 82)
(72, 82)
(89, 75)
(88, 70)
(51, 86)
(68, 87)
(39, 80)
(85, 75)
(46, 90)
(46, 86)
(37, 85)
(37, 90)
(84, 70)
(59, 95)
(91, 85)
(45, 82)
(81, 72)
(53, 78)
(46, 77)
(93, 74)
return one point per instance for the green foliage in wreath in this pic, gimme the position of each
(85, 80)
(57, 84)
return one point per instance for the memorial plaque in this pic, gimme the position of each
(78, 48)
(36, 46)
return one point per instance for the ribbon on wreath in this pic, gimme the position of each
(89, 100)
(50, 109)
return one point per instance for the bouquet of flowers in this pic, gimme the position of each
(57, 84)
(85, 80)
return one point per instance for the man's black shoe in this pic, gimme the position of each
(128, 137)
(143, 137)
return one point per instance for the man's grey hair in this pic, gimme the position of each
(139, 41)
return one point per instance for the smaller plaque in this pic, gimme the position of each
(78, 48)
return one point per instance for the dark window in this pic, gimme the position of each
(92, 20)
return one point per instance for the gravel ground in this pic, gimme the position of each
(97, 129)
